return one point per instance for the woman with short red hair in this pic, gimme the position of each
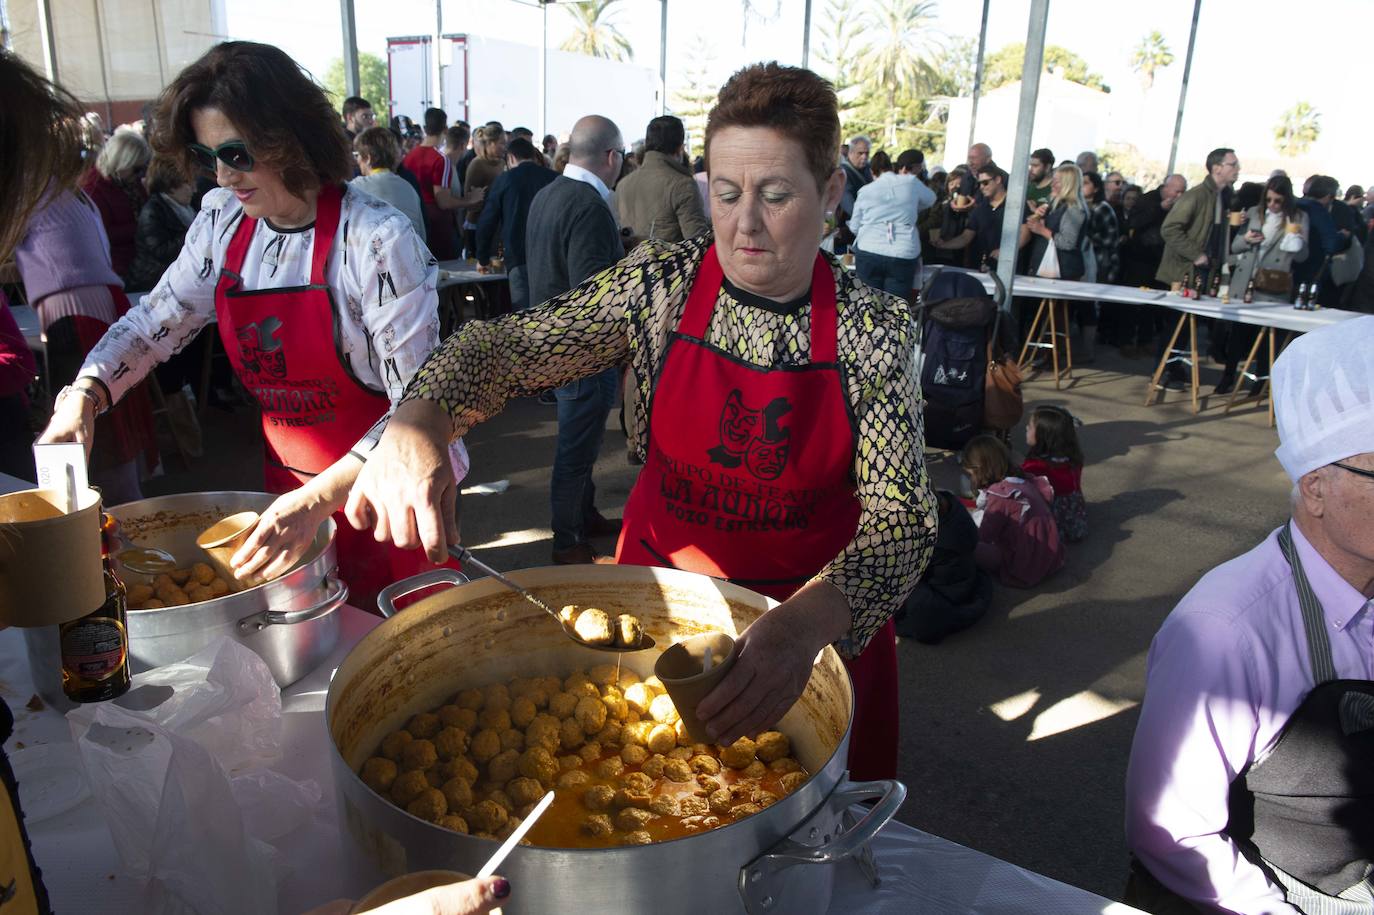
(782, 444)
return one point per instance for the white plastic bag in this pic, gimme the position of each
(184, 786)
(1049, 263)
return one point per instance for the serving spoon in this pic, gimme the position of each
(464, 555)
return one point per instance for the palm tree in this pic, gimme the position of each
(1151, 55)
(594, 31)
(1297, 129)
(897, 60)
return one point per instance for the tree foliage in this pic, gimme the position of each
(1298, 128)
(897, 59)
(1005, 66)
(1151, 56)
(595, 32)
(692, 102)
(372, 83)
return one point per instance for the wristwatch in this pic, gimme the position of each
(86, 392)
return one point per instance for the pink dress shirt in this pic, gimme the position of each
(1226, 671)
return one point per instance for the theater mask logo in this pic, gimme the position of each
(751, 437)
(260, 352)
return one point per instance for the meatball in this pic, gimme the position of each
(497, 719)
(512, 824)
(638, 837)
(598, 797)
(662, 738)
(469, 698)
(633, 756)
(740, 811)
(590, 752)
(617, 709)
(378, 773)
(771, 745)
(430, 805)
(524, 790)
(487, 816)
(500, 799)
(610, 767)
(394, 742)
(512, 740)
(434, 777)
(663, 710)
(458, 792)
(636, 733)
(755, 770)
(199, 593)
(568, 614)
(693, 807)
(202, 574)
(418, 754)
(598, 825)
(496, 697)
(537, 763)
(792, 781)
(424, 726)
(543, 732)
(408, 786)
(604, 674)
(504, 766)
(624, 797)
(683, 753)
(454, 823)
(459, 767)
(569, 762)
(785, 765)
(684, 737)
(704, 765)
(632, 818)
(637, 781)
(585, 689)
(663, 805)
(655, 684)
(706, 784)
(653, 766)
(451, 742)
(455, 716)
(485, 745)
(590, 714)
(219, 587)
(593, 626)
(628, 631)
(573, 778)
(570, 734)
(739, 754)
(562, 704)
(765, 798)
(639, 697)
(720, 801)
(677, 770)
(522, 711)
(612, 735)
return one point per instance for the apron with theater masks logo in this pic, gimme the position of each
(749, 477)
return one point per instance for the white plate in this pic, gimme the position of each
(51, 780)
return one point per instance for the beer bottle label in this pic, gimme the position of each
(93, 649)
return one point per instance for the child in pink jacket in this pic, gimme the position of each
(1018, 539)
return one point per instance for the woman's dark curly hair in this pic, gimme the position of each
(283, 117)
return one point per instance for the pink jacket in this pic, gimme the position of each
(1018, 520)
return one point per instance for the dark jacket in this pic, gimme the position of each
(571, 236)
(952, 593)
(660, 199)
(1141, 244)
(118, 205)
(508, 205)
(161, 234)
(1322, 241)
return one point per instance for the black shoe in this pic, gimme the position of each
(577, 554)
(1226, 384)
(598, 525)
(1257, 387)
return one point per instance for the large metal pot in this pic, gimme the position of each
(289, 622)
(479, 633)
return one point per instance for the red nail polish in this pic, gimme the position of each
(500, 888)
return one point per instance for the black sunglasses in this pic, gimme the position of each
(1358, 471)
(234, 154)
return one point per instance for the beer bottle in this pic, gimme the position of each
(1186, 290)
(1216, 283)
(983, 267)
(1201, 284)
(95, 648)
(1302, 297)
(1249, 296)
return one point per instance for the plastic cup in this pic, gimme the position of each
(1237, 218)
(1293, 228)
(50, 569)
(403, 886)
(222, 540)
(681, 670)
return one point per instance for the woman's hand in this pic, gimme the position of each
(406, 491)
(284, 532)
(1037, 227)
(73, 420)
(1254, 237)
(470, 897)
(776, 654)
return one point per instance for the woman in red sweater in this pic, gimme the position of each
(115, 185)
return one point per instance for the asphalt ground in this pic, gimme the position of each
(1015, 733)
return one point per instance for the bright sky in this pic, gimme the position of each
(1247, 67)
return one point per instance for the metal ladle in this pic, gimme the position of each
(464, 555)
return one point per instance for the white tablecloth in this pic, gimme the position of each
(920, 873)
(462, 272)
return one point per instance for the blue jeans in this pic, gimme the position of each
(890, 274)
(583, 407)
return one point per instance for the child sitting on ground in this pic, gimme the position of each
(1052, 451)
(1018, 539)
(952, 593)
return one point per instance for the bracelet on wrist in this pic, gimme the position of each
(97, 404)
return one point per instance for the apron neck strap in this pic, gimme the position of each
(1313, 617)
(701, 302)
(328, 205)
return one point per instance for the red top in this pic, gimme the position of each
(428, 165)
(17, 365)
(1065, 476)
(119, 213)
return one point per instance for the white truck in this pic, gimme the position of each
(484, 79)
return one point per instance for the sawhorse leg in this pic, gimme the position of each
(1030, 335)
(1164, 360)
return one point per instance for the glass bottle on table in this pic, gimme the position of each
(1249, 296)
(95, 648)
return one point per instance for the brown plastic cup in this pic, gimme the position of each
(222, 540)
(403, 886)
(680, 669)
(1237, 218)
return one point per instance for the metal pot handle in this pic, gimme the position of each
(336, 592)
(387, 597)
(760, 879)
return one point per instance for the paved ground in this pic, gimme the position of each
(1016, 732)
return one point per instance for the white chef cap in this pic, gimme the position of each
(1324, 396)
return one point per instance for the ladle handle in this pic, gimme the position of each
(463, 554)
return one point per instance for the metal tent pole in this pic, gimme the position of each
(806, 36)
(350, 47)
(435, 69)
(1015, 203)
(977, 76)
(1183, 90)
(663, 57)
(45, 38)
(544, 71)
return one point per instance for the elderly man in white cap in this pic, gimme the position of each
(1251, 781)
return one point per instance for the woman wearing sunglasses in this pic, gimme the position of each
(325, 299)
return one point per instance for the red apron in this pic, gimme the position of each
(749, 478)
(282, 344)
